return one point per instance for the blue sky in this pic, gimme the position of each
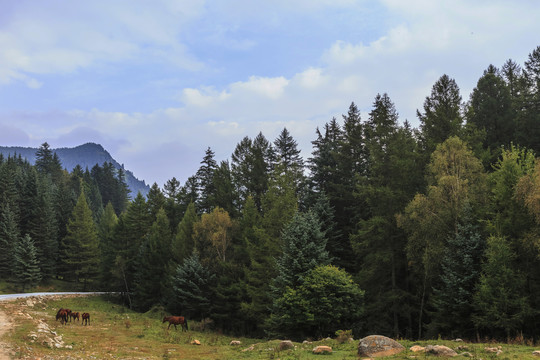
(157, 82)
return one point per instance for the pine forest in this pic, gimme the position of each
(383, 228)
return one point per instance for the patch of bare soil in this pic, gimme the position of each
(5, 325)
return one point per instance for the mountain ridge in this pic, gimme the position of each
(87, 156)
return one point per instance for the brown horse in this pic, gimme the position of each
(62, 314)
(74, 315)
(85, 319)
(176, 320)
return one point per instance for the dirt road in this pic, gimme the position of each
(5, 325)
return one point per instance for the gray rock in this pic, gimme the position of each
(378, 345)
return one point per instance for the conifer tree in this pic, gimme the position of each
(192, 283)
(502, 309)
(304, 248)
(9, 238)
(490, 109)
(453, 304)
(173, 207)
(151, 274)
(288, 155)
(80, 247)
(225, 194)
(183, 243)
(133, 226)
(205, 178)
(442, 117)
(26, 263)
(106, 232)
(155, 200)
(45, 233)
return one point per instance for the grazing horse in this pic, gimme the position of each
(62, 314)
(85, 318)
(176, 320)
(74, 315)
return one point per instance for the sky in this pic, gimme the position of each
(158, 82)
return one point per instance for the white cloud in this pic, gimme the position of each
(35, 40)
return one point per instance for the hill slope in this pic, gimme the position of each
(87, 156)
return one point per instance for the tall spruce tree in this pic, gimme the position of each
(490, 109)
(183, 242)
(192, 284)
(442, 117)
(453, 303)
(151, 274)
(205, 178)
(26, 263)
(9, 238)
(502, 308)
(80, 247)
(304, 248)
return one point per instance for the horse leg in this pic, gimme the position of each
(175, 328)
(168, 327)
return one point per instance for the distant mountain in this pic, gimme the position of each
(87, 156)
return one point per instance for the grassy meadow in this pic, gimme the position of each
(119, 333)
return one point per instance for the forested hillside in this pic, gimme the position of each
(86, 156)
(383, 228)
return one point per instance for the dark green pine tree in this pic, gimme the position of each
(261, 250)
(106, 232)
(183, 242)
(528, 121)
(252, 162)
(205, 178)
(133, 225)
(48, 162)
(172, 206)
(151, 274)
(453, 304)
(189, 192)
(9, 238)
(28, 204)
(501, 307)
(304, 248)
(511, 72)
(80, 247)
(26, 263)
(225, 195)
(155, 201)
(323, 163)
(288, 155)
(490, 110)
(45, 234)
(392, 170)
(192, 284)
(442, 117)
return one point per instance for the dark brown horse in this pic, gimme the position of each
(74, 315)
(62, 314)
(85, 319)
(176, 320)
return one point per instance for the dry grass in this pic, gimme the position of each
(117, 333)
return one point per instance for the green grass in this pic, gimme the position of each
(117, 332)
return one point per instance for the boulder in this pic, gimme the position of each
(322, 349)
(285, 345)
(536, 353)
(195, 342)
(235, 342)
(440, 350)
(378, 345)
(417, 348)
